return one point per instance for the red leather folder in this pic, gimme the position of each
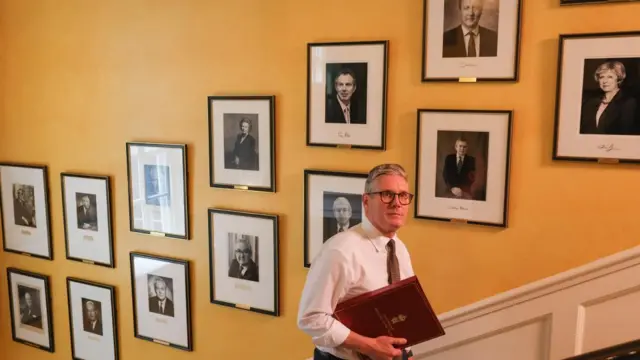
(398, 310)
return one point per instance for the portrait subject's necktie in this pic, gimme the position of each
(471, 50)
(459, 164)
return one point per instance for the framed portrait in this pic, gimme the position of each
(332, 204)
(585, 2)
(30, 305)
(471, 40)
(161, 300)
(244, 264)
(462, 169)
(242, 142)
(347, 94)
(598, 98)
(86, 210)
(92, 320)
(24, 201)
(158, 180)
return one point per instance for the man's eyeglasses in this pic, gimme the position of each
(389, 196)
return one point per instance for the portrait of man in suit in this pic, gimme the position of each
(24, 207)
(241, 142)
(346, 93)
(243, 262)
(463, 172)
(30, 311)
(157, 184)
(341, 212)
(87, 212)
(468, 38)
(92, 316)
(160, 295)
(609, 100)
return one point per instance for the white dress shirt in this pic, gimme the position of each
(350, 263)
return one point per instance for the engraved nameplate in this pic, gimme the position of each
(243, 306)
(241, 187)
(467, 80)
(161, 342)
(461, 221)
(88, 262)
(343, 146)
(154, 233)
(608, 161)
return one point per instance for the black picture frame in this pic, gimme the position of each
(45, 328)
(486, 136)
(592, 2)
(368, 132)
(165, 262)
(576, 138)
(466, 71)
(108, 214)
(262, 287)
(12, 232)
(113, 310)
(629, 350)
(178, 211)
(351, 189)
(256, 174)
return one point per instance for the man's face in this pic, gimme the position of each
(470, 11)
(342, 211)
(461, 147)
(92, 312)
(244, 127)
(86, 202)
(161, 290)
(28, 300)
(243, 253)
(390, 217)
(345, 87)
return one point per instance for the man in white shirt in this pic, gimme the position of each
(355, 262)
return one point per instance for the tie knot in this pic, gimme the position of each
(391, 245)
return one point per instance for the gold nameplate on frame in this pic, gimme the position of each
(25, 254)
(161, 342)
(241, 187)
(461, 221)
(343, 146)
(88, 262)
(153, 233)
(467, 80)
(608, 161)
(243, 306)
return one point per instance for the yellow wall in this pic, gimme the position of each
(80, 78)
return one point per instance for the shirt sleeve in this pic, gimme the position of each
(327, 282)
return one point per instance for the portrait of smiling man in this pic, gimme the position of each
(346, 93)
(364, 258)
(469, 38)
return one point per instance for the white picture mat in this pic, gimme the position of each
(33, 240)
(162, 219)
(221, 175)
(491, 210)
(369, 134)
(40, 338)
(570, 141)
(501, 66)
(98, 247)
(317, 185)
(240, 291)
(90, 346)
(174, 329)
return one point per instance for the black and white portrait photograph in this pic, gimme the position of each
(243, 258)
(347, 94)
(24, 200)
(86, 205)
(242, 142)
(30, 306)
(160, 294)
(598, 100)
(92, 316)
(341, 212)
(332, 204)
(346, 86)
(158, 181)
(162, 300)
(92, 320)
(463, 166)
(471, 40)
(244, 262)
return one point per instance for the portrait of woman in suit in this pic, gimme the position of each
(245, 154)
(613, 110)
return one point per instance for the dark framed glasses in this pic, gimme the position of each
(387, 196)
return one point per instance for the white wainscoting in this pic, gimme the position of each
(584, 309)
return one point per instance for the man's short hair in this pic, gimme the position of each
(346, 71)
(159, 280)
(383, 169)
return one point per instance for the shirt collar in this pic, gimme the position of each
(466, 30)
(377, 239)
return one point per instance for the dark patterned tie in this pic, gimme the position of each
(471, 50)
(393, 268)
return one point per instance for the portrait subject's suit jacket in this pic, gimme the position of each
(331, 227)
(453, 44)
(334, 113)
(31, 317)
(97, 329)
(91, 216)
(252, 273)
(619, 117)
(464, 178)
(246, 152)
(22, 214)
(154, 306)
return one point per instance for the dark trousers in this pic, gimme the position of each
(321, 355)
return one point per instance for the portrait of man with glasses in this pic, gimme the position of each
(244, 257)
(366, 257)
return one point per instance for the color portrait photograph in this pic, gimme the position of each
(346, 101)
